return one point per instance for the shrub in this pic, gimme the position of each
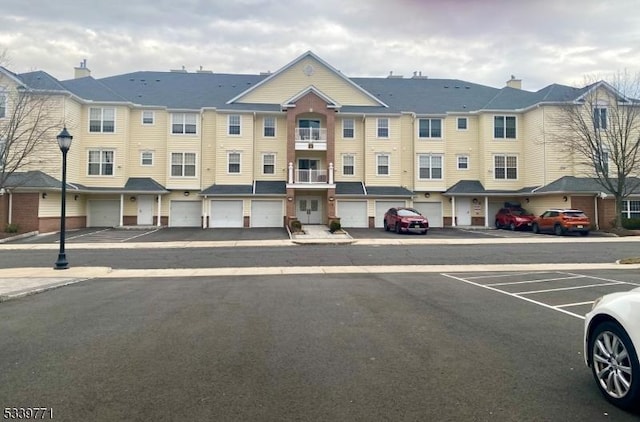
(334, 226)
(11, 228)
(631, 223)
(296, 226)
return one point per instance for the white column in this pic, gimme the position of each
(486, 211)
(121, 209)
(159, 210)
(453, 211)
(290, 173)
(331, 173)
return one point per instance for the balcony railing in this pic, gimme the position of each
(311, 176)
(311, 134)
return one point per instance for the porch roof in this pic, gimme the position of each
(226, 190)
(475, 187)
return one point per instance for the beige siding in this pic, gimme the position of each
(209, 150)
(350, 146)
(532, 167)
(390, 146)
(294, 80)
(242, 144)
(461, 142)
(494, 147)
(50, 206)
(148, 138)
(271, 145)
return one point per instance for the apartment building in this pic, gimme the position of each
(203, 149)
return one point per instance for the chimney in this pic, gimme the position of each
(514, 83)
(82, 71)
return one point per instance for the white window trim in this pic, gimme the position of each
(275, 163)
(264, 126)
(354, 165)
(468, 162)
(153, 118)
(504, 138)
(184, 124)
(239, 162)
(101, 150)
(467, 125)
(388, 165)
(102, 132)
(184, 153)
(4, 99)
(378, 128)
(431, 167)
(142, 160)
(239, 125)
(606, 117)
(506, 179)
(429, 136)
(354, 129)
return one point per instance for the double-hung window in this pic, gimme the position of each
(348, 165)
(268, 164)
(233, 124)
(430, 166)
(184, 123)
(3, 103)
(504, 127)
(146, 158)
(269, 130)
(383, 127)
(382, 164)
(183, 164)
(148, 117)
(430, 128)
(600, 118)
(100, 162)
(505, 167)
(348, 128)
(233, 163)
(463, 162)
(631, 209)
(102, 119)
(462, 123)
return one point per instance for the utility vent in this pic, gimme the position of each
(418, 75)
(201, 70)
(392, 76)
(183, 70)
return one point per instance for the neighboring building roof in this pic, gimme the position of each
(387, 191)
(33, 180)
(271, 187)
(474, 187)
(90, 89)
(224, 190)
(572, 184)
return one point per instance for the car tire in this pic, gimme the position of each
(617, 378)
(498, 226)
(386, 226)
(558, 230)
(512, 227)
(535, 228)
(398, 228)
(424, 232)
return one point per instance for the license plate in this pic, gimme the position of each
(579, 226)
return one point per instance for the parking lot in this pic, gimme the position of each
(116, 235)
(571, 293)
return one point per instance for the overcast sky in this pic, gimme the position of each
(481, 41)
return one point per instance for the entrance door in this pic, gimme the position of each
(309, 209)
(463, 211)
(145, 210)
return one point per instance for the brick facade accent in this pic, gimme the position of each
(4, 211)
(24, 211)
(52, 224)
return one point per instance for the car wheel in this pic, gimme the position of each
(584, 233)
(398, 228)
(498, 224)
(425, 232)
(386, 226)
(614, 364)
(558, 230)
(535, 228)
(512, 227)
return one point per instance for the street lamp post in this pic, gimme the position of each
(64, 141)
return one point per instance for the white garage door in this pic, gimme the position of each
(267, 214)
(104, 213)
(382, 207)
(185, 214)
(353, 213)
(431, 210)
(226, 213)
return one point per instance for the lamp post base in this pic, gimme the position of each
(61, 263)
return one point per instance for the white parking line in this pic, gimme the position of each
(568, 305)
(534, 281)
(526, 299)
(508, 275)
(144, 233)
(559, 289)
(87, 234)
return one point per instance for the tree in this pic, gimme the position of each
(29, 119)
(601, 131)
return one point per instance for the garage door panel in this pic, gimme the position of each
(226, 213)
(431, 210)
(382, 207)
(104, 213)
(267, 213)
(185, 214)
(353, 214)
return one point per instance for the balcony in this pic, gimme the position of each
(311, 176)
(311, 138)
(308, 178)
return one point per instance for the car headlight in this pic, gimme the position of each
(596, 302)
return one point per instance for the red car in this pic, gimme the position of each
(405, 220)
(514, 218)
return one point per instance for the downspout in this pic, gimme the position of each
(10, 214)
(595, 204)
(203, 206)
(544, 150)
